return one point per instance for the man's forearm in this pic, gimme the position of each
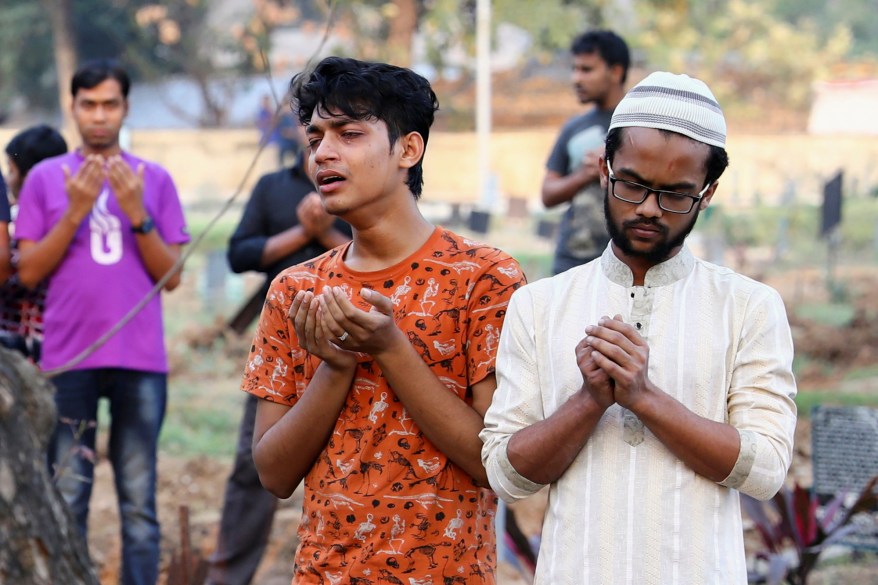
(5, 255)
(37, 260)
(558, 189)
(543, 451)
(708, 447)
(284, 244)
(159, 257)
(446, 420)
(285, 452)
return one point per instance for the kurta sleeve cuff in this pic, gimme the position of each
(505, 480)
(744, 464)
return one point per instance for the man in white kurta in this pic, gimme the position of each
(648, 387)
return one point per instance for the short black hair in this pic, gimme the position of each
(93, 73)
(363, 90)
(34, 144)
(612, 48)
(717, 159)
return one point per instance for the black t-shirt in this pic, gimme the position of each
(4, 201)
(270, 211)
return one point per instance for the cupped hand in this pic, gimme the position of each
(305, 316)
(127, 186)
(84, 186)
(373, 331)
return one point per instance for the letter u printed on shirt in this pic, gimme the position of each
(106, 232)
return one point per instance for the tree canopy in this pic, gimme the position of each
(152, 38)
(750, 50)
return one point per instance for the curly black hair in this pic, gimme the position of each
(363, 90)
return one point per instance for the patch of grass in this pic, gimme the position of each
(862, 373)
(218, 237)
(202, 424)
(535, 265)
(805, 364)
(211, 431)
(205, 404)
(831, 314)
(806, 400)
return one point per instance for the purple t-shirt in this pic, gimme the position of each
(102, 276)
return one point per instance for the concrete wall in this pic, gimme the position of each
(208, 165)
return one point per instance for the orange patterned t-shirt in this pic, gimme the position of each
(382, 504)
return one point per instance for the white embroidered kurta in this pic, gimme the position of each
(627, 511)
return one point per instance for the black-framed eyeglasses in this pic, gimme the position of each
(670, 201)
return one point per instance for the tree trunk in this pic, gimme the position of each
(402, 32)
(61, 17)
(39, 541)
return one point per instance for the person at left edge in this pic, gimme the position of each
(21, 323)
(5, 217)
(103, 226)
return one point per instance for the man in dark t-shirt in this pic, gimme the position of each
(600, 67)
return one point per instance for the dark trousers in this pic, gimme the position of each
(248, 511)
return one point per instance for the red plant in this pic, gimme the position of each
(795, 529)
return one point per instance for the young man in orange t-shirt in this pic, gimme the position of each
(376, 359)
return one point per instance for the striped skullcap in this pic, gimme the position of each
(678, 103)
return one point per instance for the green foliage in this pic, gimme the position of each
(831, 314)
(101, 29)
(534, 264)
(552, 24)
(858, 16)
(741, 49)
(25, 45)
(151, 38)
(865, 373)
(806, 400)
(218, 236)
(759, 226)
(200, 429)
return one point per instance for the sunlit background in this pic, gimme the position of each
(797, 79)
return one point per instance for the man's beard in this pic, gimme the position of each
(661, 250)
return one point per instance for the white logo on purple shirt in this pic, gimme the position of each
(106, 232)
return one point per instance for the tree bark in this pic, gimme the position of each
(402, 32)
(61, 17)
(39, 541)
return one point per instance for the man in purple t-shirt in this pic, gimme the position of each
(103, 226)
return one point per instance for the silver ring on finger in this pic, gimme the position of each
(343, 336)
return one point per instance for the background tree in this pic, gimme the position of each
(754, 51)
(64, 50)
(39, 541)
(154, 39)
(25, 52)
(751, 58)
(858, 16)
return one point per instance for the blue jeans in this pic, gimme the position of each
(137, 409)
